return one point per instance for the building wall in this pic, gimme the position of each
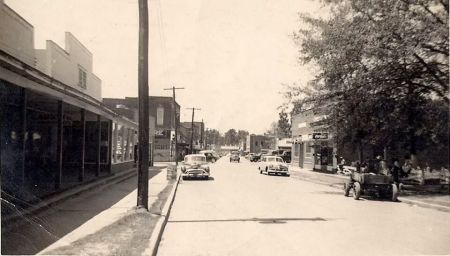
(161, 132)
(64, 65)
(256, 143)
(307, 152)
(16, 35)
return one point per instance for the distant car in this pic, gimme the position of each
(273, 165)
(286, 156)
(234, 157)
(255, 157)
(211, 156)
(195, 166)
(249, 156)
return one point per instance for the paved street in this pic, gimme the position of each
(240, 212)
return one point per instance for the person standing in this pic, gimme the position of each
(396, 171)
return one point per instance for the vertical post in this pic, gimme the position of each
(83, 145)
(143, 156)
(59, 142)
(110, 123)
(175, 119)
(201, 135)
(115, 132)
(99, 139)
(22, 136)
(192, 130)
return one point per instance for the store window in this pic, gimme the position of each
(160, 115)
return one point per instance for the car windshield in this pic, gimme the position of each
(275, 159)
(188, 159)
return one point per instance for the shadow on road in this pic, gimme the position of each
(260, 220)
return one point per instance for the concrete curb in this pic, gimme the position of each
(46, 203)
(157, 232)
(424, 204)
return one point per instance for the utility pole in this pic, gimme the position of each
(175, 119)
(192, 127)
(201, 135)
(143, 154)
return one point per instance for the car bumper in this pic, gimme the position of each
(278, 171)
(195, 173)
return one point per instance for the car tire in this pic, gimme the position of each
(260, 172)
(356, 190)
(394, 193)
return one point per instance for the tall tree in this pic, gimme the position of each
(242, 134)
(381, 64)
(231, 137)
(284, 126)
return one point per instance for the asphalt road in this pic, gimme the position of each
(241, 212)
(38, 232)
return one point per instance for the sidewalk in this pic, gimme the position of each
(122, 229)
(430, 200)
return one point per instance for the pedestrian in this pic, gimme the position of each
(396, 170)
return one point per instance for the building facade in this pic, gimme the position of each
(312, 144)
(256, 143)
(161, 112)
(55, 131)
(196, 135)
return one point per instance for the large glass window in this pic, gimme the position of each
(120, 131)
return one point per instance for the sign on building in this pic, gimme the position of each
(320, 135)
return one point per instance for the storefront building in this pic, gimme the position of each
(256, 143)
(55, 131)
(312, 143)
(161, 122)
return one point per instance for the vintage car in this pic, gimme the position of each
(211, 156)
(286, 156)
(273, 165)
(195, 166)
(234, 157)
(380, 185)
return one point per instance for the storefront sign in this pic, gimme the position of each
(162, 134)
(320, 135)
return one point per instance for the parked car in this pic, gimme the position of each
(234, 157)
(255, 157)
(273, 165)
(211, 156)
(195, 165)
(286, 156)
(380, 185)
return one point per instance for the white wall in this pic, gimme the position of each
(16, 35)
(63, 64)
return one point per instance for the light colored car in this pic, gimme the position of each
(273, 165)
(195, 166)
(234, 157)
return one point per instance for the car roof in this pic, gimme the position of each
(195, 155)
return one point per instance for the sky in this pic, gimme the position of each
(231, 56)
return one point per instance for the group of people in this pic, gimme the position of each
(380, 166)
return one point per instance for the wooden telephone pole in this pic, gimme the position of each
(192, 128)
(175, 119)
(143, 154)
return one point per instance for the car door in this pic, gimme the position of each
(262, 164)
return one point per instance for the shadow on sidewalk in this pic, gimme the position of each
(39, 231)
